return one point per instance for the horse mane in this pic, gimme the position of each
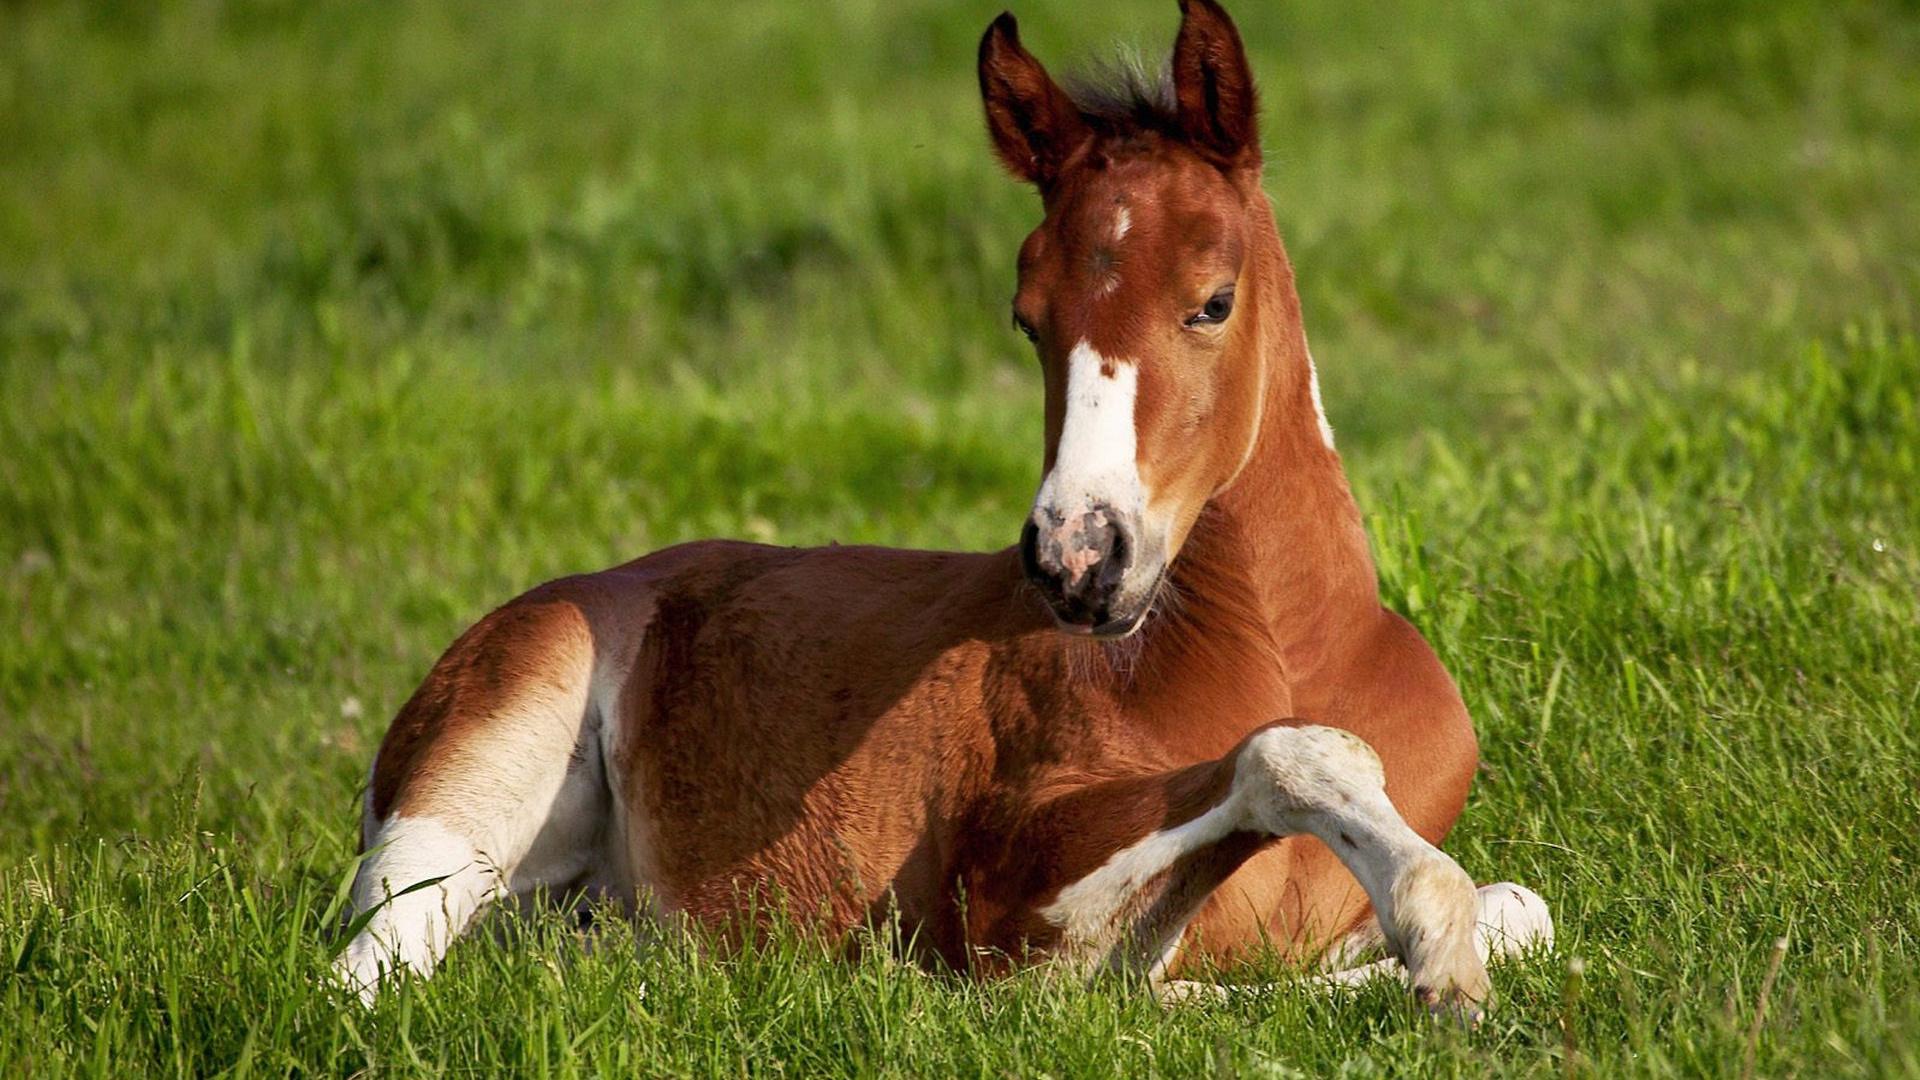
(1122, 93)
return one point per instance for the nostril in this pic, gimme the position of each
(1119, 558)
(1030, 552)
(1120, 550)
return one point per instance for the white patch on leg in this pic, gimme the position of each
(366, 806)
(1512, 921)
(1090, 912)
(1329, 783)
(1361, 975)
(412, 927)
(1176, 992)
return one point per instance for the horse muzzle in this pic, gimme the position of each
(1085, 562)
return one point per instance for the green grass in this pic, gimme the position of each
(325, 327)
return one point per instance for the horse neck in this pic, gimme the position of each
(1281, 552)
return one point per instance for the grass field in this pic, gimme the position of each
(325, 327)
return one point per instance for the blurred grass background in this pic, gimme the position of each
(326, 326)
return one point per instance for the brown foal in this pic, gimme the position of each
(1171, 725)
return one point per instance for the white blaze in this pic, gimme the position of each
(1121, 223)
(1096, 458)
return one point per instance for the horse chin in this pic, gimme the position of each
(1117, 627)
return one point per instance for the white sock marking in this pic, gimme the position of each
(1324, 782)
(413, 930)
(1512, 921)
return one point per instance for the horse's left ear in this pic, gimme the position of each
(1214, 86)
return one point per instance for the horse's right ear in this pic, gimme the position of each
(1035, 126)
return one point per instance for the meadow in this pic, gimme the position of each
(325, 327)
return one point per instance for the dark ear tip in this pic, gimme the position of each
(1002, 34)
(1210, 9)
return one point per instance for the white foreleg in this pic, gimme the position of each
(1513, 921)
(1287, 781)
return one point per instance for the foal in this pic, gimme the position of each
(960, 738)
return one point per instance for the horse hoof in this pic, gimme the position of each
(1465, 1005)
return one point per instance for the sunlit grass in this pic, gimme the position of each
(324, 328)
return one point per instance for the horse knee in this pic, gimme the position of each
(1284, 772)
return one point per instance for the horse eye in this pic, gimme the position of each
(1216, 309)
(1024, 327)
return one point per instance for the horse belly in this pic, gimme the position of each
(740, 798)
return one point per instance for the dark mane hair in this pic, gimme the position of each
(1121, 93)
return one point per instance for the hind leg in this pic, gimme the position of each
(418, 888)
(423, 881)
(489, 784)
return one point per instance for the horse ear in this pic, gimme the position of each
(1213, 84)
(1035, 126)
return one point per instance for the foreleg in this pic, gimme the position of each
(1512, 921)
(1282, 781)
